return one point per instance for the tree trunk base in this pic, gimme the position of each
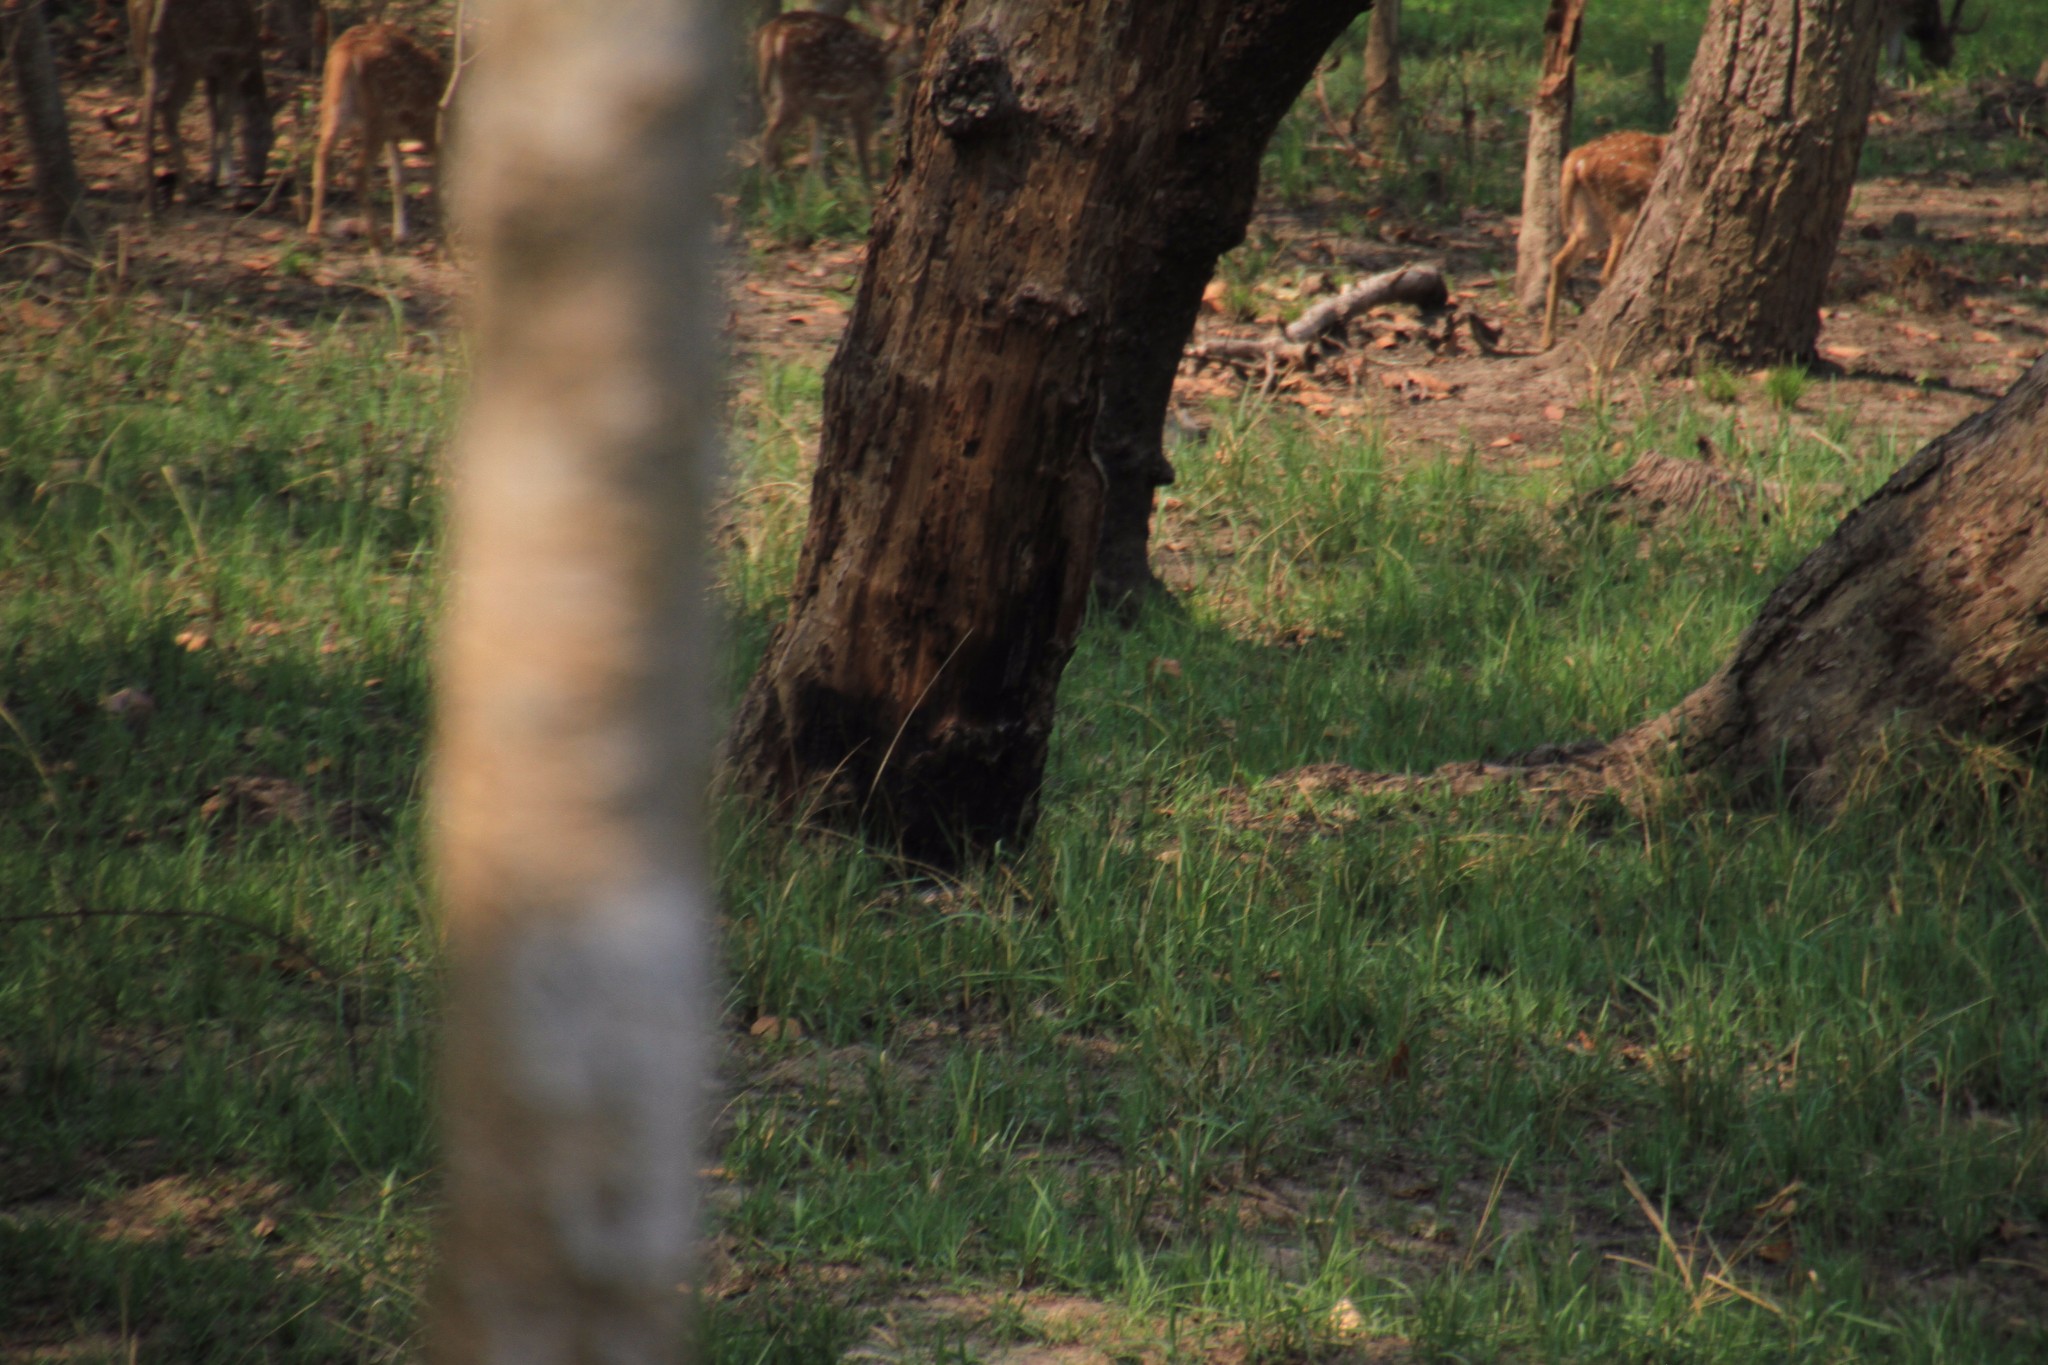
(1924, 616)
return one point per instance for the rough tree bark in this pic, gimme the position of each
(1204, 187)
(1379, 112)
(1732, 252)
(1550, 132)
(1068, 176)
(60, 196)
(572, 750)
(1927, 608)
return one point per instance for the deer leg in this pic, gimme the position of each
(219, 122)
(858, 121)
(1623, 226)
(321, 152)
(150, 93)
(817, 146)
(779, 112)
(398, 233)
(367, 150)
(168, 111)
(1560, 266)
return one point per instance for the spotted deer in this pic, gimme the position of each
(810, 65)
(177, 45)
(1599, 193)
(383, 86)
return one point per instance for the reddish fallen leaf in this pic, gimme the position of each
(1554, 411)
(192, 641)
(1160, 667)
(1396, 1068)
(35, 315)
(1776, 1253)
(774, 1026)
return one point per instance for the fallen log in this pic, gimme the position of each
(1421, 285)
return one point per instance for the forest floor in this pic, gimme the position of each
(1017, 1145)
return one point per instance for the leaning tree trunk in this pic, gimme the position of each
(956, 508)
(1550, 132)
(573, 748)
(60, 197)
(1379, 110)
(1928, 608)
(1732, 252)
(1204, 188)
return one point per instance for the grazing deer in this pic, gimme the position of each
(179, 43)
(384, 86)
(809, 65)
(1601, 190)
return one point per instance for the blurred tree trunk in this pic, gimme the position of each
(1732, 252)
(572, 749)
(1379, 111)
(1039, 219)
(1927, 609)
(1550, 133)
(60, 197)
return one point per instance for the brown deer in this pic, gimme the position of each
(178, 44)
(809, 65)
(384, 86)
(1599, 193)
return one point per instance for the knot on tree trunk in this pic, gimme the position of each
(972, 94)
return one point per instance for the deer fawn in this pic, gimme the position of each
(385, 86)
(179, 43)
(1598, 196)
(810, 64)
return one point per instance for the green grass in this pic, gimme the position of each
(240, 525)
(1088, 1070)
(1240, 1068)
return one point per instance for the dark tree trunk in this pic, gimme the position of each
(1379, 110)
(60, 196)
(299, 26)
(1733, 249)
(1928, 609)
(1550, 133)
(1204, 189)
(1050, 221)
